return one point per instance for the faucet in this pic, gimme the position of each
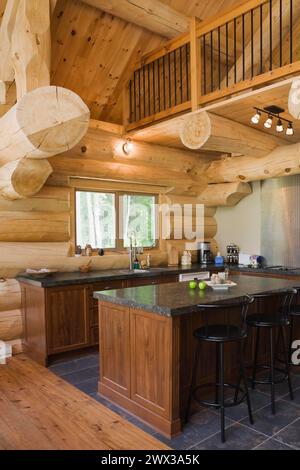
(130, 252)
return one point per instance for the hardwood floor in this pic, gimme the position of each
(39, 410)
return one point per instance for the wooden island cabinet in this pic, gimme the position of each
(65, 317)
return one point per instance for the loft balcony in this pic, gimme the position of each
(245, 49)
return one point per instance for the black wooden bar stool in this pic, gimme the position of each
(274, 323)
(227, 332)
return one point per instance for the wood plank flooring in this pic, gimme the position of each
(39, 410)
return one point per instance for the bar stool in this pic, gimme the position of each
(221, 334)
(276, 322)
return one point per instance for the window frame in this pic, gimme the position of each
(119, 248)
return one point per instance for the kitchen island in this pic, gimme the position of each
(147, 346)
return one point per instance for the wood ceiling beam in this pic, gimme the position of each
(149, 14)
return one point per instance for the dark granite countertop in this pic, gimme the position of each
(177, 299)
(71, 278)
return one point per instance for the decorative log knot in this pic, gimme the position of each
(241, 177)
(266, 172)
(287, 170)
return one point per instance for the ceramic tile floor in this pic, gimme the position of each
(279, 432)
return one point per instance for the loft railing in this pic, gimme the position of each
(248, 47)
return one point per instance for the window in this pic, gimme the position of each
(109, 220)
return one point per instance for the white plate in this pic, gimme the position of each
(224, 286)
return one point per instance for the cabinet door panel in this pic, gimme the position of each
(151, 361)
(115, 347)
(67, 318)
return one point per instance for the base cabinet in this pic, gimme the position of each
(66, 318)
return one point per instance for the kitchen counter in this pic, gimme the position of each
(76, 278)
(73, 278)
(178, 299)
(147, 346)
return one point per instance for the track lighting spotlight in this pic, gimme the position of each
(279, 126)
(256, 118)
(290, 130)
(269, 122)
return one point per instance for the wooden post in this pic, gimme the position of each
(196, 78)
(126, 105)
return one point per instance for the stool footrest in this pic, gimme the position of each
(226, 403)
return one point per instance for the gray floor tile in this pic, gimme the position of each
(73, 365)
(237, 413)
(89, 386)
(290, 435)
(200, 426)
(82, 375)
(296, 400)
(238, 437)
(281, 389)
(270, 424)
(272, 444)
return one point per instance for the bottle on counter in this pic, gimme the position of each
(219, 260)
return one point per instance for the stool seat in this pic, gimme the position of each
(221, 333)
(266, 320)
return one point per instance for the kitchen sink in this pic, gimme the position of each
(134, 271)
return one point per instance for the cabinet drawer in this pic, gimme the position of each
(152, 281)
(106, 285)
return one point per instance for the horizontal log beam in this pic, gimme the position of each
(282, 161)
(207, 131)
(149, 14)
(227, 194)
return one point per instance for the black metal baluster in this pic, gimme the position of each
(219, 56)
(261, 39)
(134, 95)
(252, 45)
(271, 36)
(170, 81)
(187, 71)
(291, 31)
(158, 82)
(280, 33)
(234, 46)
(144, 92)
(243, 41)
(153, 84)
(204, 65)
(211, 62)
(130, 101)
(181, 82)
(175, 78)
(227, 59)
(139, 83)
(164, 81)
(149, 97)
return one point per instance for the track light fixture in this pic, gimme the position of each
(273, 112)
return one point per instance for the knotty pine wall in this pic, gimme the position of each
(38, 232)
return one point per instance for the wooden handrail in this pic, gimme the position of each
(211, 24)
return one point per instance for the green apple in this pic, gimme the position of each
(192, 284)
(202, 285)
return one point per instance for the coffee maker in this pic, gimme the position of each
(204, 253)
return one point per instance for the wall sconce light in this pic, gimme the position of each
(273, 112)
(127, 147)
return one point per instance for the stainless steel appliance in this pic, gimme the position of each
(204, 253)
